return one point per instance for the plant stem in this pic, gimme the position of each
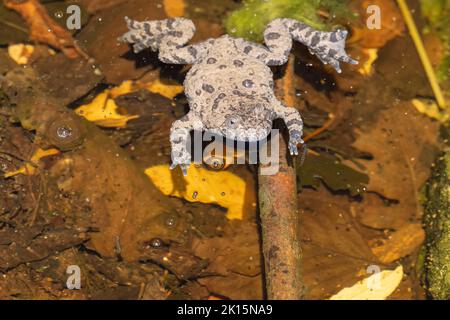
(422, 53)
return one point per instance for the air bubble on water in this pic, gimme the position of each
(64, 132)
(59, 14)
(156, 243)
(170, 221)
(195, 195)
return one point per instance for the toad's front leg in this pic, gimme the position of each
(180, 140)
(294, 124)
(168, 36)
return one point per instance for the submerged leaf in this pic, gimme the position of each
(430, 109)
(104, 111)
(401, 243)
(378, 286)
(30, 168)
(333, 173)
(367, 67)
(200, 185)
(20, 53)
(166, 89)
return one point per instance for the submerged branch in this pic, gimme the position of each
(279, 216)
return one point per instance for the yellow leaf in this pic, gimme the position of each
(366, 69)
(20, 53)
(378, 286)
(168, 90)
(430, 109)
(200, 185)
(103, 110)
(124, 88)
(30, 168)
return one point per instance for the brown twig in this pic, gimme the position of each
(43, 28)
(279, 216)
(323, 128)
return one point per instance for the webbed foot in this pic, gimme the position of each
(332, 50)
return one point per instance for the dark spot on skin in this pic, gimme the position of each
(198, 92)
(238, 93)
(217, 100)
(147, 28)
(170, 22)
(238, 63)
(321, 49)
(247, 49)
(179, 59)
(298, 26)
(273, 62)
(172, 43)
(177, 141)
(315, 40)
(247, 83)
(192, 51)
(175, 33)
(333, 37)
(211, 61)
(332, 53)
(222, 66)
(272, 36)
(193, 72)
(295, 134)
(208, 88)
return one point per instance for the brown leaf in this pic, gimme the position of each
(117, 62)
(391, 24)
(77, 79)
(33, 244)
(43, 28)
(335, 254)
(179, 261)
(110, 194)
(401, 243)
(235, 257)
(403, 144)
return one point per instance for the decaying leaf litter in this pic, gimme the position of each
(105, 200)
